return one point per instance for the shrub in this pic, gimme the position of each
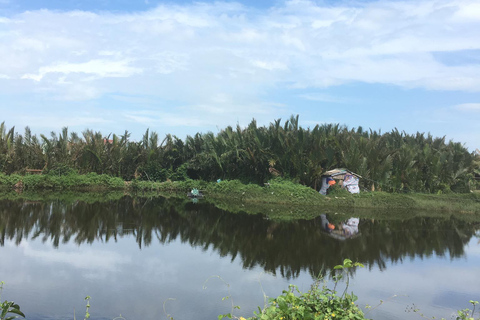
(61, 169)
(318, 303)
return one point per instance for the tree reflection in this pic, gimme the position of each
(286, 248)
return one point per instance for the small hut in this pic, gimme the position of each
(344, 178)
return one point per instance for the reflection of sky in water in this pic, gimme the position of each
(437, 286)
(122, 279)
(125, 280)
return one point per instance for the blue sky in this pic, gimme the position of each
(184, 67)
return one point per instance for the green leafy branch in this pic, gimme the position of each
(8, 308)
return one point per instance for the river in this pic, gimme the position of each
(150, 258)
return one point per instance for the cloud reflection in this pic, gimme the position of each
(87, 259)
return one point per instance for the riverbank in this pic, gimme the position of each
(236, 196)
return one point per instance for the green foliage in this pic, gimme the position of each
(394, 161)
(321, 302)
(9, 309)
(275, 191)
(87, 308)
(69, 196)
(68, 181)
(387, 200)
(180, 174)
(467, 314)
(61, 170)
(233, 188)
(153, 171)
(234, 195)
(336, 190)
(318, 303)
(9, 181)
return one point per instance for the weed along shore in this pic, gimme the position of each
(237, 196)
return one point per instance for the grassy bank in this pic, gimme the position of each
(87, 182)
(66, 196)
(289, 198)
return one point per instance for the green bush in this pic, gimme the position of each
(318, 303)
(61, 169)
(9, 180)
(180, 174)
(338, 191)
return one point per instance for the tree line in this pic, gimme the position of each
(394, 161)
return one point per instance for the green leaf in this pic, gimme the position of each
(17, 311)
(347, 263)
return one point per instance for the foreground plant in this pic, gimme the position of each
(318, 303)
(467, 314)
(464, 314)
(8, 308)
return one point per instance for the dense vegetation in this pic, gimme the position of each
(393, 161)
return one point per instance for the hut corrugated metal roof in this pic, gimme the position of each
(340, 172)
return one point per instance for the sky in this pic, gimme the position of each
(182, 67)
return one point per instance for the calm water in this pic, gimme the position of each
(147, 258)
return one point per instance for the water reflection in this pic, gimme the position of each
(284, 248)
(344, 230)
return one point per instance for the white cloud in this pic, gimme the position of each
(470, 11)
(322, 97)
(88, 259)
(474, 107)
(224, 59)
(99, 68)
(270, 65)
(58, 121)
(380, 42)
(211, 115)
